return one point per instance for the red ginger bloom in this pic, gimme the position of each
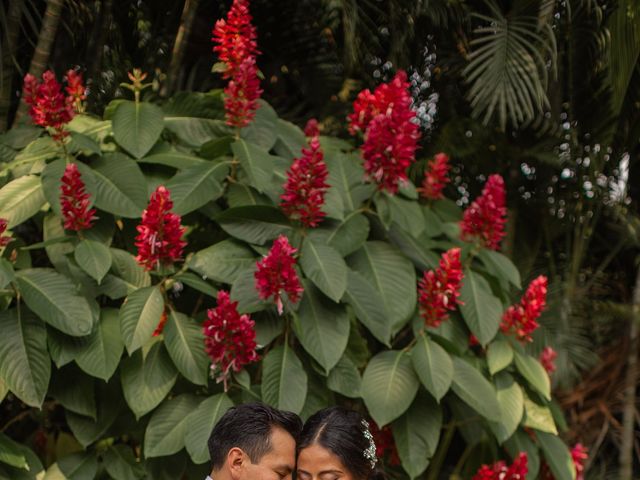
(390, 134)
(159, 239)
(485, 218)
(383, 438)
(306, 186)
(4, 241)
(579, 455)
(75, 203)
(230, 339)
(76, 91)
(548, 358)
(312, 128)
(521, 319)
(235, 37)
(241, 94)
(500, 471)
(436, 178)
(439, 289)
(275, 274)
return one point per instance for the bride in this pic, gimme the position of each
(336, 444)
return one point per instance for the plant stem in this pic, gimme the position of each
(433, 473)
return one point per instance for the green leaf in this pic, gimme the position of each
(510, 398)
(79, 466)
(197, 283)
(322, 327)
(126, 267)
(433, 365)
(538, 417)
(405, 213)
(20, 199)
(368, 306)
(121, 464)
(52, 297)
(417, 433)
(139, 316)
(262, 129)
(7, 275)
(200, 423)
(137, 126)
(101, 355)
(94, 258)
(480, 309)
(291, 139)
(147, 379)
(500, 267)
(349, 235)
(216, 148)
(185, 344)
(269, 325)
(325, 267)
(193, 187)
(255, 224)
(11, 453)
(531, 369)
(256, 163)
(194, 131)
(417, 249)
(85, 429)
(557, 456)
(389, 386)
(74, 391)
(345, 378)
(177, 160)
(284, 381)
(241, 195)
(223, 261)
(346, 175)
(475, 390)
(499, 356)
(165, 434)
(244, 292)
(392, 275)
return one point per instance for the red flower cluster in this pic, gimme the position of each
(4, 241)
(579, 455)
(276, 274)
(236, 46)
(383, 438)
(312, 129)
(435, 178)
(500, 471)
(49, 107)
(439, 289)
(306, 186)
(485, 219)
(159, 239)
(74, 201)
(390, 133)
(230, 339)
(521, 319)
(548, 358)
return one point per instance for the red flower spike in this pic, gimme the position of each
(500, 471)
(485, 218)
(383, 439)
(75, 202)
(160, 328)
(276, 274)
(4, 241)
(439, 289)
(435, 179)
(235, 38)
(579, 455)
(159, 239)
(230, 338)
(312, 128)
(521, 319)
(306, 186)
(241, 94)
(76, 91)
(548, 358)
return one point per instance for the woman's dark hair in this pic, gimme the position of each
(342, 432)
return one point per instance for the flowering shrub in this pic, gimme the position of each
(159, 266)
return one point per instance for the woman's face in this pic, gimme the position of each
(317, 463)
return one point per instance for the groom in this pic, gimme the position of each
(254, 442)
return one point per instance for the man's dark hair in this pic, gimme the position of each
(248, 427)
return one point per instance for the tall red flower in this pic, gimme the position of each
(159, 239)
(579, 455)
(276, 274)
(235, 37)
(306, 186)
(75, 202)
(485, 218)
(230, 339)
(76, 91)
(385, 443)
(242, 93)
(312, 129)
(548, 359)
(4, 241)
(439, 289)
(500, 471)
(390, 132)
(435, 178)
(521, 319)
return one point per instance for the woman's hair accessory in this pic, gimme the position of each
(370, 451)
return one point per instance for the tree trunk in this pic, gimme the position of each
(46, 38)
(186, 22)
(99, 41)
(8, 55)
(628, 417)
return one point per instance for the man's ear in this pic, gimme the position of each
(236, 461)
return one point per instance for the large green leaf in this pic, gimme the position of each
(241, 195)
(137, 126)
(146, 379)
(433, 365)
(480, 309)
(531, 369)
(256, 163)
(79, 466)
(346, 175)
(185, 344)
(322, 327)
(167, 427)
(405, 213)
(475, 390)
(200, 423)
(223, 261)
(345, 378)
(499, 356)
(12, 454)
(139, 316)
(262, 129)
(501, 267)
(520, 441)
(256, 224)
(557, 456)
(419, 250)
(94, 258)
(52, 297)
(176, 160)
(244, 292)
(121, 464)
(510, 398)
(101, 354)
(538, 417)
(291, 139)
(284, 381)
(349, 235)
(195, 186)
(126, 267)
(325, 267)
(74, 391)
(20, 199)
(389, 386)
(87, 430)
(196, 117)
(24, 362)
(368, 306)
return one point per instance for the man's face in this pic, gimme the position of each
(278, 463)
